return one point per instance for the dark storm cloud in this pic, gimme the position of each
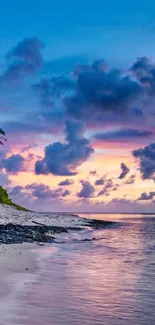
(42, 191)
(125, 171)
(144, 70)
(97, 95)
(14, 164)
(66, 182)
(99, 91)
(93, 90)
(146, 158)
(142, 67)
(122, 135)
(24, 59)
(53, 88)
(63, 158)
(87, 190)
(144, 196)
(100, 181)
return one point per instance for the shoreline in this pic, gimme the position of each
(21, 233)
(18, 227)
(18, 270)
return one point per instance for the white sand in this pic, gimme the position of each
(17, 270)
(9, 214)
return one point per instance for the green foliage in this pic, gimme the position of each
(4, 199)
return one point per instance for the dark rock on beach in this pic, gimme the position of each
(15, 234)
(99, 224)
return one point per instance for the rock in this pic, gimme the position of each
(99, 224)
(15, 234)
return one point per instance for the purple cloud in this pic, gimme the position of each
(144, 196)
(99, 181)
(108, 186)
(93, 172)
(14, 164)
(87, 190)
(131, 180)
(24, 59)
(146, 158)
(63, 159)
(41, 191)
(122, 135)
(125, 171)
(66, 182)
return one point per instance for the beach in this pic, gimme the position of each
(22, 235)
(96, 276)
(17, 270)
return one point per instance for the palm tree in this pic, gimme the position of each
(2, 137)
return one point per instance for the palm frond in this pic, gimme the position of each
(2, 132)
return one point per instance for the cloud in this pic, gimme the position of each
(24, 59)
(146, 158)
(120, 201)
(16, 190)
(92, 91)
(144, 196)
(116, 186)
(41, 191)
(125, 171)
(50, 89)
(100, 91)
(122, 135)
(99, 181)
(93, 172)
(64, 158)
(144, 71)
(66, 182)
(4, 180)
(108, 186)
(87, 190)
(29, 147)
(131, 180)
(14, 164)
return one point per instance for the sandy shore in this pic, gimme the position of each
(17, 271)
(19, 262)
(9, 214)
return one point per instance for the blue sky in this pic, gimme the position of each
(79, 111)
(108, 29)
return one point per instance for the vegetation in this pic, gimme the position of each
(2, 137)
(4, 199)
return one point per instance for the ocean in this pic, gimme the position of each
(95, 277)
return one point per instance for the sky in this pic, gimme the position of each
(77, 95)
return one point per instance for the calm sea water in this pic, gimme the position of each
(109, 279)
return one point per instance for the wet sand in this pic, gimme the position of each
(17, 271)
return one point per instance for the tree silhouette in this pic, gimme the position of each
(2, 137)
